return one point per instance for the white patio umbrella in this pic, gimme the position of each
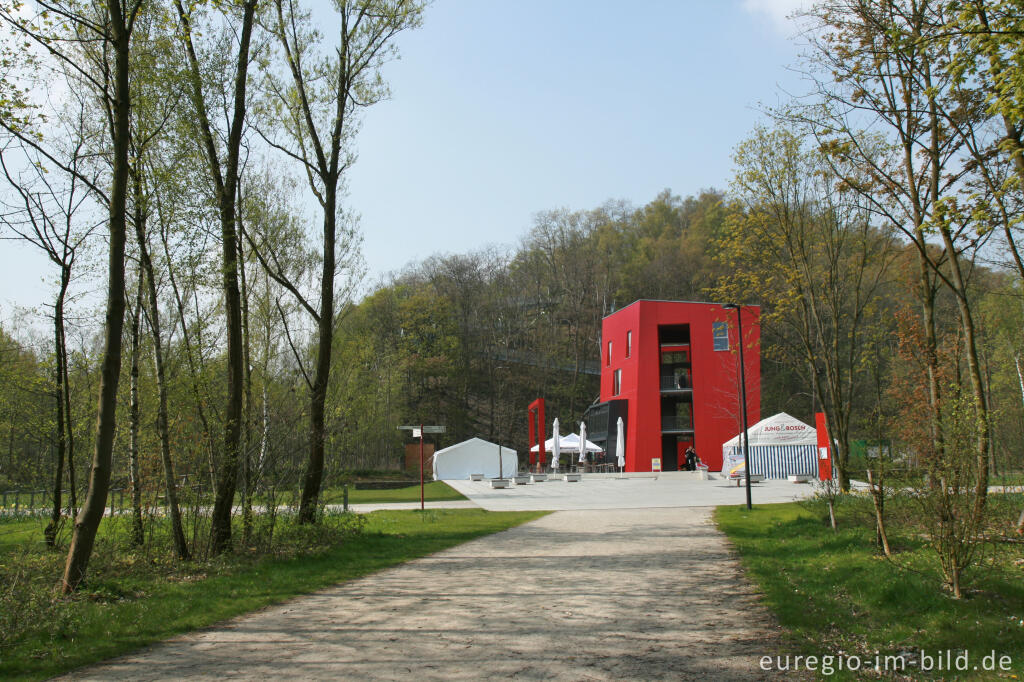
(620, 444)
(583, 443)
(556, 448)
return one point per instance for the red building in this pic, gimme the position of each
(671, 369)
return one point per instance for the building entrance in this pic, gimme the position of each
(669, 454)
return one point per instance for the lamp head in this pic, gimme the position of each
(730, 306)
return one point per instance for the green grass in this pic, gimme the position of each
(433, 491)
(1014, 478)
(124, 609)
(832, 592)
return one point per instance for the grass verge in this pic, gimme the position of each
(835, 595)
(433, 491)
(126, 605)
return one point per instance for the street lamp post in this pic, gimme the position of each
(743, 397)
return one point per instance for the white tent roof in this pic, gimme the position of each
(474, 456)
(563, 443)
(780, 429)
(572, 442)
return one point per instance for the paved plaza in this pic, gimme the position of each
(630, 491)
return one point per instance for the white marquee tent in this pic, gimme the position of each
(474, 456)
(780, 446)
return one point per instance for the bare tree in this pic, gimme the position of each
(46, 217)
(319, 109)
(223, 166)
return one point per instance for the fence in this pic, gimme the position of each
(39, 503)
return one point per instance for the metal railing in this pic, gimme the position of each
(674, 423)
(671, 383)
(36, 503)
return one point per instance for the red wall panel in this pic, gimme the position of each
(715, 375)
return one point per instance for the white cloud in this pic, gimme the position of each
(778, 12)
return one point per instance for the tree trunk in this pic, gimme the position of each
(69, 424)
(227, 475)
(959, 288)
(318, 395)
(247, 392)
(60, 351)
(931, 357)
(170, 485)
(878, 498)
(226, 184)
(88, 520)
(137, 534)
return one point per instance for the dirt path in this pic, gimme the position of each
(577, 595)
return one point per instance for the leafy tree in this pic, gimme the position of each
(318, 110)
(886, 72)
(47, 215)
(223, 168)
(810, 252)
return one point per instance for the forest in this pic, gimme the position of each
(189, 160)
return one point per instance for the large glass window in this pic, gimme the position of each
(720, 335)
(676, 357)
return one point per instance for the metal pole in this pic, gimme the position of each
(421, 467)
(743, 405)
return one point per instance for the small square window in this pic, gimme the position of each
(720, 335)
(617, 382)
(629, 343)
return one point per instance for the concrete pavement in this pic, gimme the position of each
(630, 491)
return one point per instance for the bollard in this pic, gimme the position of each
(32, 499)
(345, 497)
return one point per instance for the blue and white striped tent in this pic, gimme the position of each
(780, 446)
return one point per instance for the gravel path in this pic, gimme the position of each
(634, 594)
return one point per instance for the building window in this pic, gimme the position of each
(617, 382)
(720, 335)
(608, 361)
(629, 343)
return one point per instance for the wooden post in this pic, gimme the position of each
(421, 468)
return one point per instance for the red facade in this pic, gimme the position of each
(661, 357)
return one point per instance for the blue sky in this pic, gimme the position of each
(502, 109)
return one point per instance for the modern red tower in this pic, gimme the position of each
(675, 365)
